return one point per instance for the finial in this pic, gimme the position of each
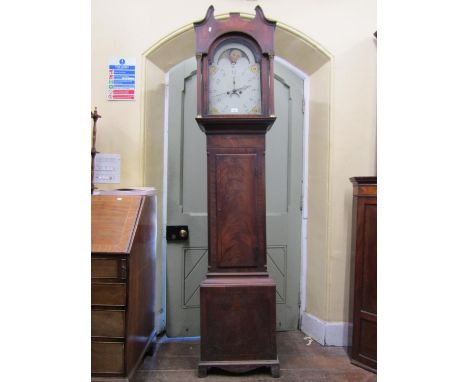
(259, 13)
(209, 15)
(95, 115)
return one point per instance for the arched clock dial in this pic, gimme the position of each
(234, 81)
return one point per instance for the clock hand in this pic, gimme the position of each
(235, 91)
(223, 93)
(238, 91)
(243, 87)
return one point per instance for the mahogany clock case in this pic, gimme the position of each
(237, 299)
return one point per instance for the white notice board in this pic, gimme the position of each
(107, 168)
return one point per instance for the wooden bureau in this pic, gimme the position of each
(123, 251)
(364, 348)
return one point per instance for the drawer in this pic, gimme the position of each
(108, 268)
(108, 323)
(108, 294)
(107, 357)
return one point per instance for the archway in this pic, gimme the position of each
(316, 63)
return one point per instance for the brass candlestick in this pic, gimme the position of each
(95, 116)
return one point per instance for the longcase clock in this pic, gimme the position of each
(235, 110)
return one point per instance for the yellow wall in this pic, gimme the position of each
(333, 45)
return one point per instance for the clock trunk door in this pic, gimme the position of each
(187, 261)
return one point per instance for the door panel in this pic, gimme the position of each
(195, 267)
(237, 230)
(187, 262)
(193, 143)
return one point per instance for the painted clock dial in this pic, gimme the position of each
(234, 81)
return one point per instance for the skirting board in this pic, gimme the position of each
(327, 333)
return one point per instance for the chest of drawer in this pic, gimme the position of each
(123, 249)
(113, 294)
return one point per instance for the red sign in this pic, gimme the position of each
(123, 92)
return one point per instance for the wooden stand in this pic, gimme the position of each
(122, 283)
(364, 349)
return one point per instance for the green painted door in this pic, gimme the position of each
(187, 262)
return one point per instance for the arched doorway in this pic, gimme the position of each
(316, 63)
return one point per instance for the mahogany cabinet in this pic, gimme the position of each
(364, 346)
(123, 245)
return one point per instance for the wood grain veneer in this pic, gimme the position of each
(113, 222)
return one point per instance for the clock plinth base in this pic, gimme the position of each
(239, 366)
(238, 322)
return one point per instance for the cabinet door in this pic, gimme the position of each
(237, 228)
(365, 292)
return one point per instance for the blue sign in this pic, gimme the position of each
(117, 71)
(128, 67)
(121, 79)
(122, 82)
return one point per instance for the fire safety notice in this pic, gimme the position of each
(121, 79)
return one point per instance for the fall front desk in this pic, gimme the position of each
(123, 251)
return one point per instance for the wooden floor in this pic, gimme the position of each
(177, 361)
